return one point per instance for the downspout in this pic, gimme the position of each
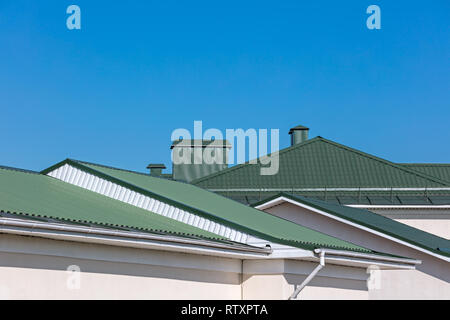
(242, 279)
(310, 277)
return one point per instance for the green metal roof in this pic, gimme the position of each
(321, 163)
(437, 170)
(376, 222)
(215, 207)
(27, 193)
(322, 169)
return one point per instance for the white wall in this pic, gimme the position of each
(35, 268)
(431, 280)
(436, 221)
(278, 279)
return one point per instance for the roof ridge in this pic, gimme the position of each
(110, 167)
(239, 166)
(387, 162)
(18, 169)
(128, 171)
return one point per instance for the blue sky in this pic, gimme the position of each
(114, 91)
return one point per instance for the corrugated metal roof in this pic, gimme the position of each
(423, 197)
(376, 222)
(321, 163)
(28, 193)
(437, 170)
(333, 172)
(215, 207)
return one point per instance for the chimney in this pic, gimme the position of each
(156, 169)
(298, 134)
(193, 159)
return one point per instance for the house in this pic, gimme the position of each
(430, 280)
(318, 168)
(80, 230)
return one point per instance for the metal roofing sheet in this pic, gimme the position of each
(321, 163)
(39, 195)
(438, 170)
(218, 208)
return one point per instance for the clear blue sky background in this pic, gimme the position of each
(114, 91)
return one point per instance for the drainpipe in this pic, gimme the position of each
(310, 277)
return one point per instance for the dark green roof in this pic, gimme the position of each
(376, 222)
(215, 207)
(321, 163)
(437, 170)
(27, 193)
(323, 169)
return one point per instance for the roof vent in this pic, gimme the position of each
(298, 134)
(156, 169)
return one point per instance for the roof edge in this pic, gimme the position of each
(366, 225)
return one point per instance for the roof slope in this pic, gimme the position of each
(321, 163)
(377, 222)
(215, 207)
(26, 193)
(440, 171)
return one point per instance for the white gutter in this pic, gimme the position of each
(310, 277)
(369, 256)
(130, 239)
(279, 200)
(140, 240)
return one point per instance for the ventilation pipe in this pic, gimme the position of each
(298, 134)
(194, 159)
(156, 169)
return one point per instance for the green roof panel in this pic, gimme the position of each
(376, 222)
(217, 208)
(440, 171)
(36, 194)
(321, 163)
